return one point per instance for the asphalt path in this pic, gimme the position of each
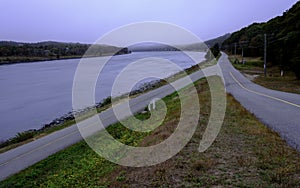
(278, 110)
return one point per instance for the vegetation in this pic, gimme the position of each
(253, 69)
(245, 154)
(213, 52)
(283, 36)
(11, 52)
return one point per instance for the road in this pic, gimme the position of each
(278, 110)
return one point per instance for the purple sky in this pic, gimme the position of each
(87, 20)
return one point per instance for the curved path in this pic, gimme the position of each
(278, 110)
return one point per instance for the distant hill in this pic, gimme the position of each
(43, 43)
(11, 51)
(150, 46)
(194, 47)
(283, 40)
(219, 40)
(205, 45)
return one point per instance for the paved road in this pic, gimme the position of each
(278, 110)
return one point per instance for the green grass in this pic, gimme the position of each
(245, 154)
(255, 63)
(31, 135)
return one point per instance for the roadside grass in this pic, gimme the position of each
(31, 135)
(287, 83)
(245, 154)
(252, 65)
(253, 69)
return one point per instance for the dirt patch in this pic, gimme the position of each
(253, 70)
(251, 77)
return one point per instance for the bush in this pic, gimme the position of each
(106, 101)
(20, 137)
(213, 52)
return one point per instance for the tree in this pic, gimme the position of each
(283, 33)
(215, 50)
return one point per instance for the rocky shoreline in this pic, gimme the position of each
(71, 115)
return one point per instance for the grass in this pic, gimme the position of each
(31, 135)
(245, 154)
(253, 69)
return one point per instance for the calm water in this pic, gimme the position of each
(34, 94)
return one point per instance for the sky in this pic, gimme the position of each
(85, 21)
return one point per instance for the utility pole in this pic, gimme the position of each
(265, 56)
(242, 44)
(243, 54)
(234, 49)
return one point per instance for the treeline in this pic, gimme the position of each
(10, 51)
(283, 36)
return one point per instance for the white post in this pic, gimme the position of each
(152, 103)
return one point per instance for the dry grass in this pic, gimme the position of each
(273, 80)
(245, 154)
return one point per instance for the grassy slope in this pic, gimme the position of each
(245, 154)
(273, 80)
